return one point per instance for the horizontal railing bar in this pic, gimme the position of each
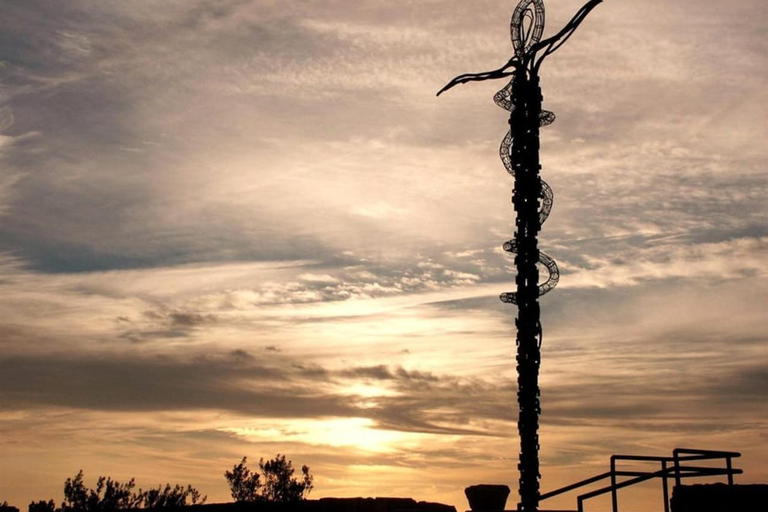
(701, 469)
(699, 457)
(690, 471)
(651, 458)
(713, 453)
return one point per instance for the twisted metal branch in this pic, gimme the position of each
(527, 45)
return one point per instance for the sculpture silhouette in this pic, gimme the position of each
(532, 200)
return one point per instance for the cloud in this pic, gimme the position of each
(178, 174)
(127, 384)
(723, 260)
(425, 402)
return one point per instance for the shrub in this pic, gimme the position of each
(278, 483)
(110, 495)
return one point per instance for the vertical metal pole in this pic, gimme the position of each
(665, 485)
(730, 470)
(676, 455)
(524, 122)
(614, 491)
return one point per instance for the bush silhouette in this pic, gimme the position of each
(42, 506)
(168, 496)
(108, 495)
(275, 483)
(112, 495)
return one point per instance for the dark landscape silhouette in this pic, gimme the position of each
(274, 488)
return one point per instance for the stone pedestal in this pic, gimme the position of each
(487, 498)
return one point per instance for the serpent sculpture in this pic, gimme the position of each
(526, 28)
(532, 200)
(503, 98)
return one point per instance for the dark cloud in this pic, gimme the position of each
(240, 354)
(158, 385)
(425, 402)
(747, 385)
(190, 319)
(379, 372)
(280, 386)
(383, 372)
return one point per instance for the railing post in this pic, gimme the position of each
(676, 455)
(664, 485)
(614, 492)
(730, 470)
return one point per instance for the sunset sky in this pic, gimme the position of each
(249, 227)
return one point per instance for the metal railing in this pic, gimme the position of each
(670, 467)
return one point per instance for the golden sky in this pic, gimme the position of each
(243, 227)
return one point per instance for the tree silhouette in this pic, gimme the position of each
(243, 483)
(278, 483)
(110, 495)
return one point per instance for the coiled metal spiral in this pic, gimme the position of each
(522, 42)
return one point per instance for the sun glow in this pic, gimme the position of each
(364, 390)
(356, 433)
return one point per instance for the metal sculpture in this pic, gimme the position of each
(532, 200)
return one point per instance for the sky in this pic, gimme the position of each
(247, 227)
